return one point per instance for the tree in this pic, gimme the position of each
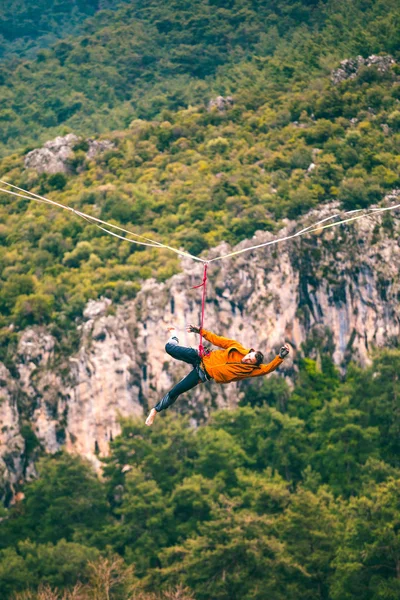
(342, 445)
(15, 286)
(268, 438)
(144, 526)
(235, 555)
(219, 455)
(33, 309)
(314, 386)
(274, 392)
(310, 528)
(192, 502)
(69, 498)
(368, 559)
(168, 456)
(31, 564)
(376, 392)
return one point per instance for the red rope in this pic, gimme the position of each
(203, 302)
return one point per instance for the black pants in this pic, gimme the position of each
(190, 356)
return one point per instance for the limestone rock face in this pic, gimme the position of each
(53, 157)
(350, 67)
(96, 308)
(11, 441)
(220, 103)
(105, 384)
(98, 146)
(341, 286)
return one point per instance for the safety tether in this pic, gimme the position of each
(203, 302)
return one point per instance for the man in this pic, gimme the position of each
(232, 363)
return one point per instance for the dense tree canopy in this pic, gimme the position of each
(148, 57)
(26, 27)
(257, 500)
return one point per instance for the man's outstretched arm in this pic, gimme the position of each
(278, 360)
(217, 340)
(274, 364)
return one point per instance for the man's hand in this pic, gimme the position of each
(284, 351)
(193, 329)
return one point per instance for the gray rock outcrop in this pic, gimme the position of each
(340, 286)
(349, 68)
(53, 157)
(12, 443)
(55, 154)
(220, 103)
(98, 146)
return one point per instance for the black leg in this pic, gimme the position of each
(186, 384)
(188, 355)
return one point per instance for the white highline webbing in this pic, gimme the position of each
(315, 227)
(154, 244)
(43, 199)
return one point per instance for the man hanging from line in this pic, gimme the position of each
(232, 363)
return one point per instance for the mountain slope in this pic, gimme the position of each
(193, 179)
(25, 27)
(146, 57)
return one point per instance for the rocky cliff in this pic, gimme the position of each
(350, 67)
(56, 154)
(340, 286)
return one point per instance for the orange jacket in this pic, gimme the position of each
(226, 365)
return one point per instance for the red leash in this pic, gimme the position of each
(203, 301)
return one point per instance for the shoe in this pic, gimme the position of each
(173, 334)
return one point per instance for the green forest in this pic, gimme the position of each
(27, 27)
(178, 172)
(296, 493)
(145, 58)
(292, 495)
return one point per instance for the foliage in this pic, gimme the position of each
(136, 62)
(27, 27)
(180, 173)
(69, 498)
(367, 562)
(256, 502)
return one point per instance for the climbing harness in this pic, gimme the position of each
(145, 241)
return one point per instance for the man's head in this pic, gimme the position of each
(254, 357)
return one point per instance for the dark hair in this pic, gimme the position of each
(259, 357)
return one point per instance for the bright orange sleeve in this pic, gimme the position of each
(270, 366)
(218, 340)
